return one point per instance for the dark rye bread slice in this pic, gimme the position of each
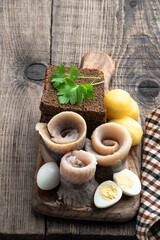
(92, 110)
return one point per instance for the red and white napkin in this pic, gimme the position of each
(148, 218)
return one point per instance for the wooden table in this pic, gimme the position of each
(38, 33)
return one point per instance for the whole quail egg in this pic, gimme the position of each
(48, 176)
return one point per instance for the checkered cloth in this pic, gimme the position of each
(148, 218)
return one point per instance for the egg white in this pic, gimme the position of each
(101, 202)
(135, 189)
(48, 176)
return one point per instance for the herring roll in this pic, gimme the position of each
(77, 174)
(78, 167)
(65, 132)
(110, 143)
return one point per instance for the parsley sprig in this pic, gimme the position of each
(68, 90)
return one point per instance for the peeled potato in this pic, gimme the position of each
(118, 103)
(134, 113)
(133, 127)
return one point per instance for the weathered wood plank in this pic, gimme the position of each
(137, 53)
(72, 229)
(127, 30)
(25, 39)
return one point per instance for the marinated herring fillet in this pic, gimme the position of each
(111, 157)
(65, 132)
(77, 175)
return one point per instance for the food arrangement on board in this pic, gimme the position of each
(86, 135)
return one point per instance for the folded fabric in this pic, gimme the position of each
(148, 218)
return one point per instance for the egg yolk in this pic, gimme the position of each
(108, 191)
(124, 180)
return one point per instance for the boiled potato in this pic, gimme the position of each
(134, 113)
(120, 104)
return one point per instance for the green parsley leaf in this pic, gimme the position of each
(74, 73)
(69, 94)
(77, 93)
(61, 68)
(63, 99)
(90, 92)
(81, 93)
(72, 69)
(57, 75)
(57, 82)
(67, 90)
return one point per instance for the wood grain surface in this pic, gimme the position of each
(62, 31)
(23, 27)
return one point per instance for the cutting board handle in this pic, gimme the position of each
(102, 61)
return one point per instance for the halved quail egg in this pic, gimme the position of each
(128, 181)
(107, 194)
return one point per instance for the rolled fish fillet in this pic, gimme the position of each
(65, 132)
(77, 173)
(78, 167)
(110, 143)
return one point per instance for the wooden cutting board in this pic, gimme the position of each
(47, 203)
